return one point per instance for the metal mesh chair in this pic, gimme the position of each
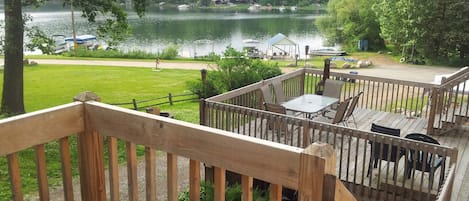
(351, 109)
(333, 88)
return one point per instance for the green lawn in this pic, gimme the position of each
(52, 85)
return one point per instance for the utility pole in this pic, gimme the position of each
(75, 45)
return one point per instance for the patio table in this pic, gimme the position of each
(309, 104)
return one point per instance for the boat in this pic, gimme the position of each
(254, 8)
(328, 51)
(183, 7)
(293, 8)
(60, 44)
(65, 44)
(250, 48)
(281, 9)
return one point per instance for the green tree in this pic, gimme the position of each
(349, 21)
(114, 27)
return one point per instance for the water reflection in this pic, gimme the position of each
(162, 27)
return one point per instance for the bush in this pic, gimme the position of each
(232, 193)
(232, 72)
(169, 52)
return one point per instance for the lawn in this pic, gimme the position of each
(51, 85)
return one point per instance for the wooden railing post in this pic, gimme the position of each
(317, 180)
(433, 108)
(91, 158)
(312, 170)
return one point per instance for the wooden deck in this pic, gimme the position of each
(460, 140)
(355, 165)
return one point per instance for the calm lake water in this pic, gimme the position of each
(195, 32)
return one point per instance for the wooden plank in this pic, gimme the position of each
(247, 188)
(219, 183)
(113, 169)
(91, 166)
(150, 174)
(132, 178)
(16, 131)
(42, 173)
(172, 168)
(194, 177)
(275, 192)
(15, 177)
(165, 134)
(66, 169)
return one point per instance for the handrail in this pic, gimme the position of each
(447, 189)
(295, 131)
(30, 129)
(309, 170)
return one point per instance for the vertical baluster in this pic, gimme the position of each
(219, 183)
(113, 168)
(194, 180)
(150, 174)
(41, 170)
(66, 169)
(247, 188)
(132, 171)
(172, 176)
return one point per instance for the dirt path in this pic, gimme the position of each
(382, 67)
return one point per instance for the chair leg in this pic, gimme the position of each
(369, 166)
(408, 172)
(354, 122)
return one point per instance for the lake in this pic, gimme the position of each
(196, 32)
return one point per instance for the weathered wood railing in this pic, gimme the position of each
(309, 170)
(412, 99)
(352, 146)
(451, 102)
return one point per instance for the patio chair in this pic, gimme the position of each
(279, 95)
(425, 164)
(333, 88)
(351, 109)
(339, 114)
(381, 153)
(267, 94)
(271, 125)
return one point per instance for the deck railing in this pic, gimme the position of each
(451, 102)
(99, 126)
(231, 111)
(352, 146)
(413, 99)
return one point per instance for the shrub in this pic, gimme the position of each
(169, 52)
(232, 193)
(233, 71)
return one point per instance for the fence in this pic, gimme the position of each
(307, 170)
(171, 99)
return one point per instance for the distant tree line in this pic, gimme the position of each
(434, 29)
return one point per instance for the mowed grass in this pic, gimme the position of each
(51, 85)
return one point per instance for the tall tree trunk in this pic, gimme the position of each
(12, 97)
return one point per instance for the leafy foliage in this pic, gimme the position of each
(39, 40)
(233, 71)
(232, 193)
(350, 21)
